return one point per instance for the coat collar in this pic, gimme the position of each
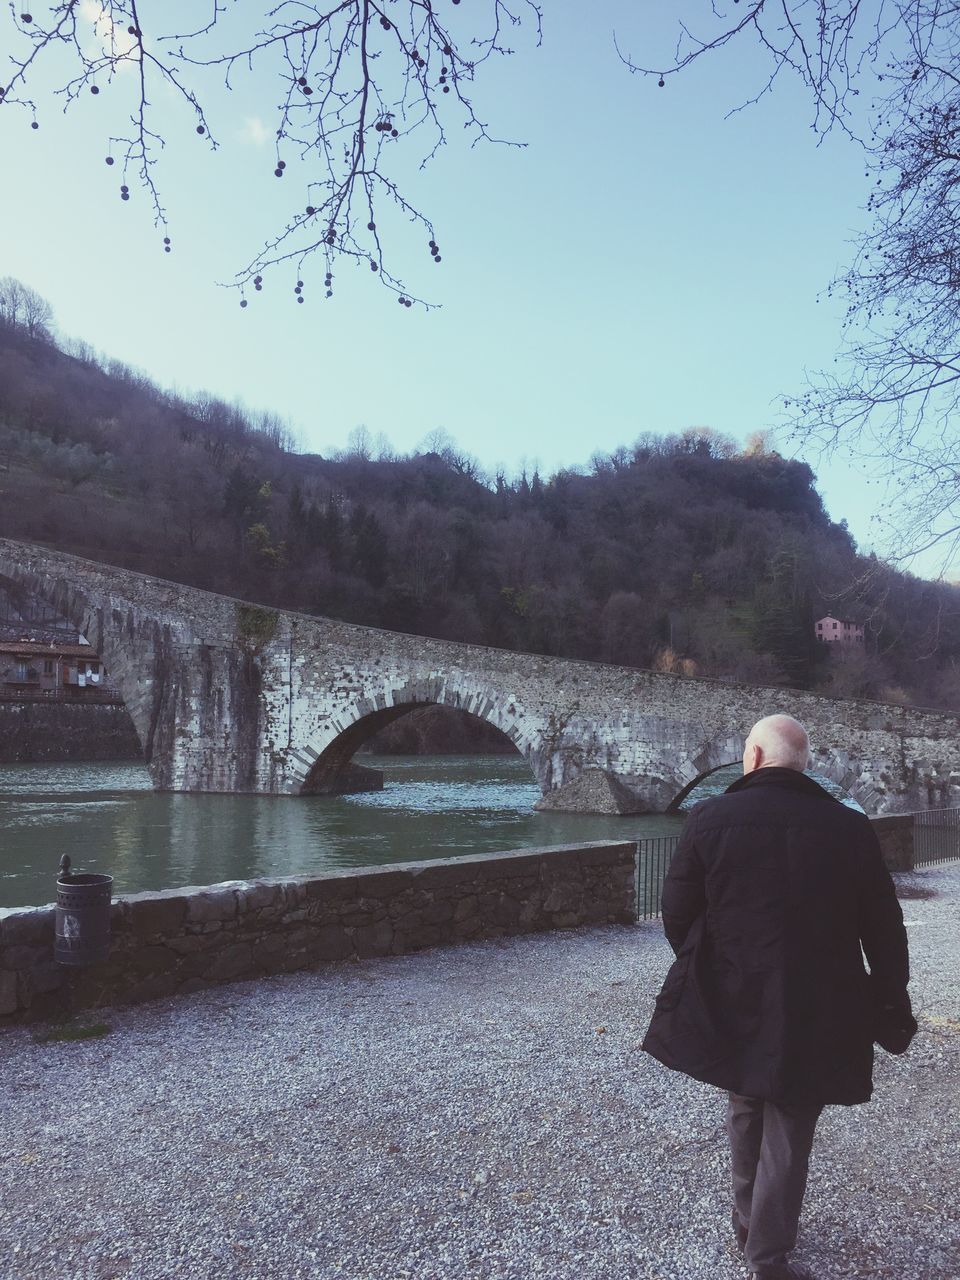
(776, 776)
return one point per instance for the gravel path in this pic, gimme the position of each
(475, 1112)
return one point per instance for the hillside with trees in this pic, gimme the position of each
(684, 553)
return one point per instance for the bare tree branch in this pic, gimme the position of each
(894, 395)
(361, 80)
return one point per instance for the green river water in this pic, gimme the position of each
(107, 818)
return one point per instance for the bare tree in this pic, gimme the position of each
(365, 86)
(37, 314)
(22, 306)
(440, 442)
(896, 396)
(359, 445)
(884, 72)
(11, 300)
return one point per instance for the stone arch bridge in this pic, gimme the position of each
(229, 696)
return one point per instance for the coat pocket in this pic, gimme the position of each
(673, 984)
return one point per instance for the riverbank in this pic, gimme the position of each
(480, 1111)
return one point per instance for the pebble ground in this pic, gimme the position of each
(481, 1112)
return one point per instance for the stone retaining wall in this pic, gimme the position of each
(55, 731)
(180, 940)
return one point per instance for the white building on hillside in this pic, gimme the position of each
(838, 631)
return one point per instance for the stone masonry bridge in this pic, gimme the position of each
(229, 696)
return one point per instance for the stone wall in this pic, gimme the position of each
(42, 731)
(180, 940)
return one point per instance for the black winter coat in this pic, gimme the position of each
(772, 891)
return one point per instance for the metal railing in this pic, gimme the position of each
(654, 856)
(936, 836)
(936, 839)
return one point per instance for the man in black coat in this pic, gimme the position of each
(774, 889)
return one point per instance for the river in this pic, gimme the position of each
(107, 818)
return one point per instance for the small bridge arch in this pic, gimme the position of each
(849, 775)
(717, 752)
(676, 804)
(844, 778)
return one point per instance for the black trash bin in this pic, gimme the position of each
(82, 934)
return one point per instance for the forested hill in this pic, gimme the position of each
(680, 553)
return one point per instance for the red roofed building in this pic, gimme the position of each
(31, 668)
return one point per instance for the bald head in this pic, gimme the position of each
(776, 740)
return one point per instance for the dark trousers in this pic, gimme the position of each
(770, 1148)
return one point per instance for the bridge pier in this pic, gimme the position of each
(594, 791)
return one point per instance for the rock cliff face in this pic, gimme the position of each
(226, 696)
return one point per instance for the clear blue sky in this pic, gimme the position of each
(642, 265)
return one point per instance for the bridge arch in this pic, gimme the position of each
(328, 768)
